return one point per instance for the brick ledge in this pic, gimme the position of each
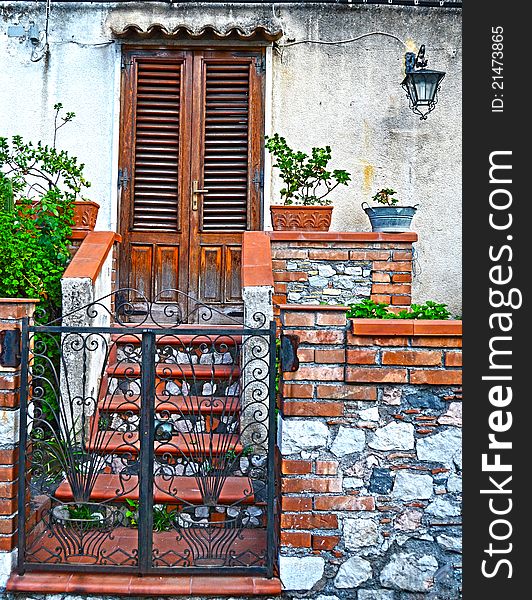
(342, 236)
(133, 585)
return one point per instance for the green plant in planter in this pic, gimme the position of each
(368, 309)
(38, 185)
(428, 310)
(307, 180)
(389, 217)
(384, 196)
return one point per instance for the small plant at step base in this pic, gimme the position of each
(163, 519)
(384, 196)
(306, 178)
(132, 512)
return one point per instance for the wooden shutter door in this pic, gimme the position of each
(192, 120)
(228, 112)
(155, 135)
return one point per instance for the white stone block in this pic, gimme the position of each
(300, 573)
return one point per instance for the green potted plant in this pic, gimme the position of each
(305, 196)
(389, 217)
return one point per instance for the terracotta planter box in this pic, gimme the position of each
(301, 218)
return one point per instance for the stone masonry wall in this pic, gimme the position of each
(371, 469)
(342, 268)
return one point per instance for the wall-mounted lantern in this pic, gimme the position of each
(421, 84)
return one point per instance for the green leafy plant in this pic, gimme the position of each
(429, 310)
(85, 512)
(163, 519)
(38, 185)
(384, 196)
(368, 309)
(307, 179)
(132, 512)
(247, 450)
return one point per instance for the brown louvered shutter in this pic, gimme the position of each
(156, 149)
(226, 148)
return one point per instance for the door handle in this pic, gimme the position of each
(195, 193)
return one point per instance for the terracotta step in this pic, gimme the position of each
(170, 371)
(236, 490)
(205, 405)
(149, 586)
(183, 444)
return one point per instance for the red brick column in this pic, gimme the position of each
(12, 311)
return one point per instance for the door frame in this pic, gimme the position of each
(256, 213)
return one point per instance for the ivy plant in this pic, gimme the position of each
(306, 177)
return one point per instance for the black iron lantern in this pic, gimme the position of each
(421, 84)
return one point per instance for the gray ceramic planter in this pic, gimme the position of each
(390, 218)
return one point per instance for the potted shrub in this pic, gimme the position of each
(49, 180)
(39, 187)
(389, 217)
(305, 203)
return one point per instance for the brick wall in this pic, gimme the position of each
(341, 268)
(371, 469)
(12, 311)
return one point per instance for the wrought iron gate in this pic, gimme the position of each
(147, 447)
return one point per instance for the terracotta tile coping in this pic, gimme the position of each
(342, 236)
(18, 300)
(256, 259)
(151, 586)
(312, 307)
(412, 327)
(91, 255)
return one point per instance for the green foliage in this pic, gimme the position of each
(38, 185)
(384, 196)
(307, 180)
(163, 519)
(7, 202)
(247, 450)
(132, 512)
(429, 310)
(367, 309)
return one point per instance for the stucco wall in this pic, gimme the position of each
(348, 96)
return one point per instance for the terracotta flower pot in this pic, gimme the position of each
(302, 218)
(85, 213)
